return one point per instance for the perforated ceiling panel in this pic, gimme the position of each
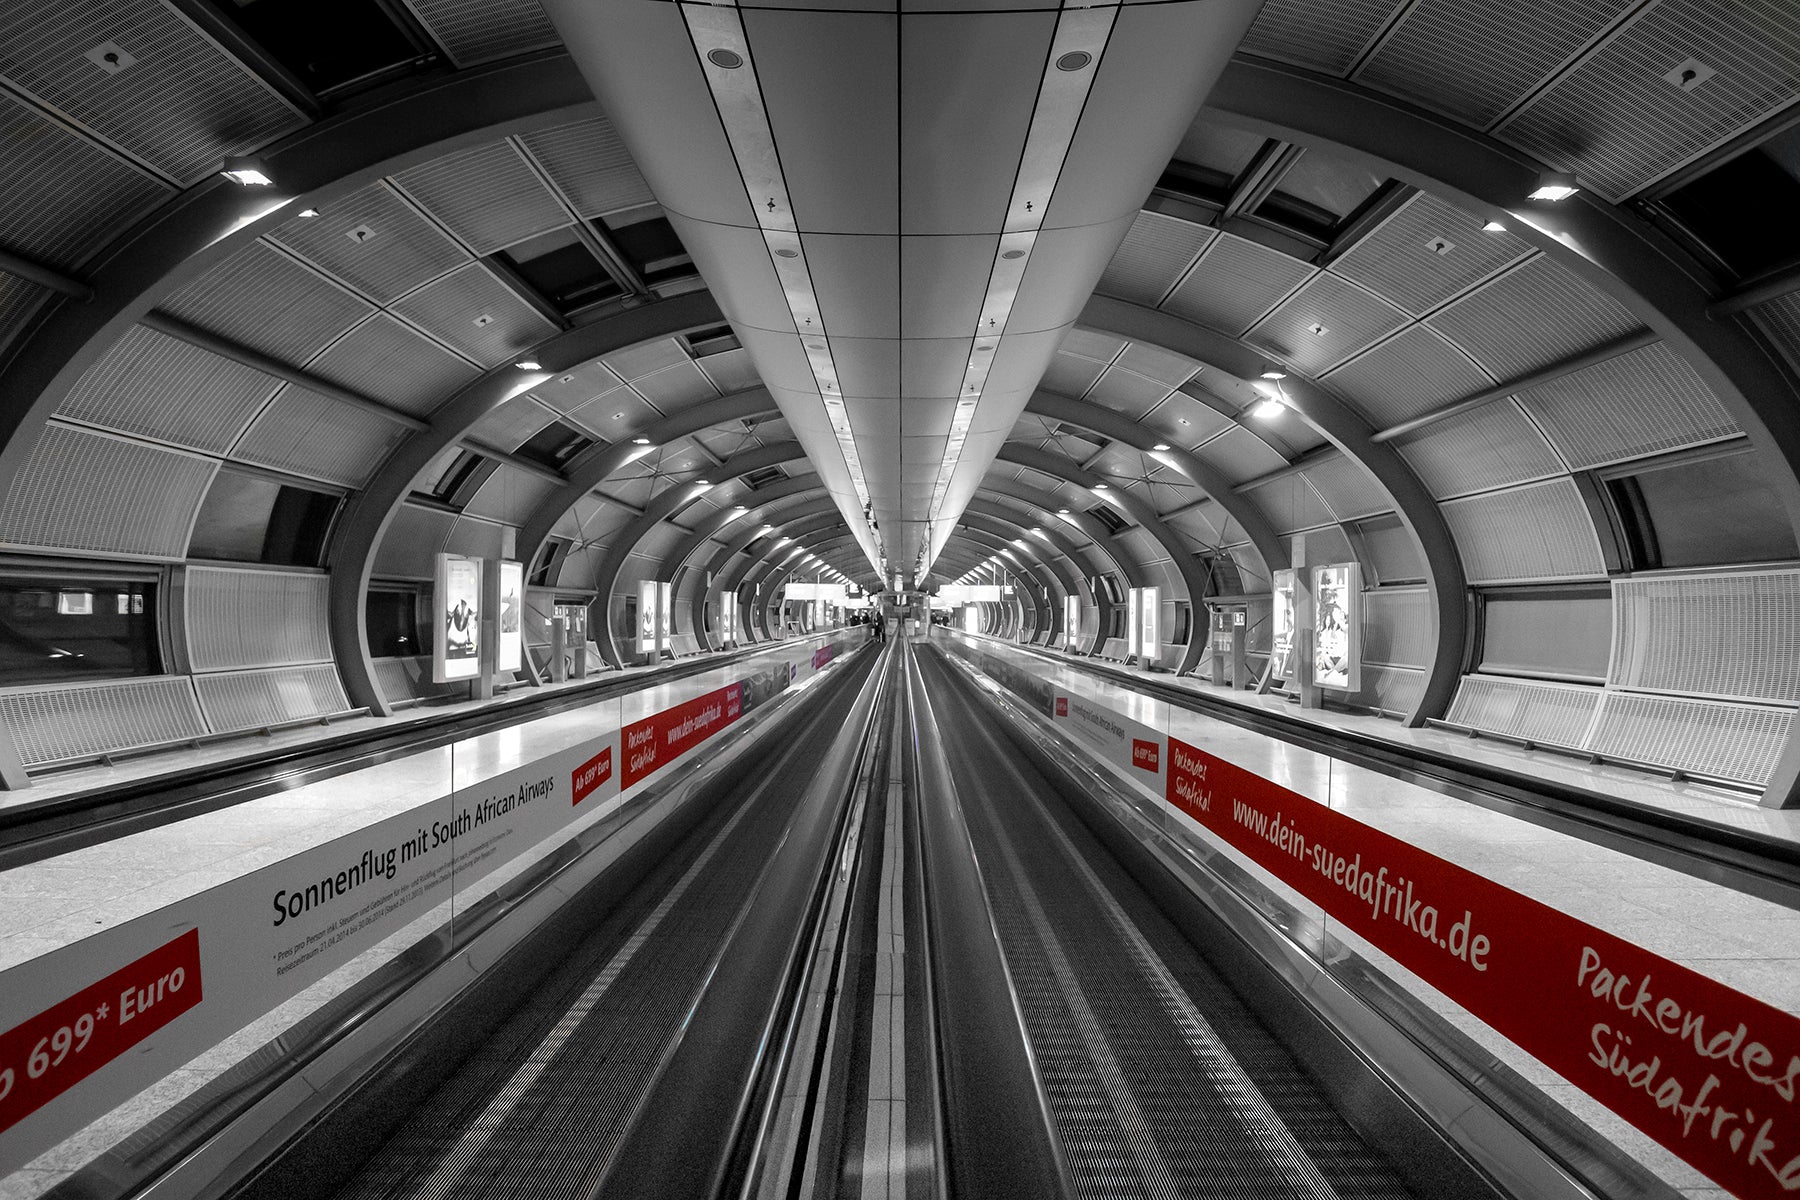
(489, 197)
(307, 434)
(675, 388)
(153, 385)
(1325, 322)
(474, 312)
(181, 106)
(60, 194)
(1639, 403)
(476, 31)
(1491, 447)
(87, 491)
(646, 358)
(1071, 376)
(1240, 455)
(1735, 636)
(387, 361)
(1235, 283)
(1536, 314)
(1540, 531)
(591, 166)
(18, 301)
(1127, 392)
(512, 423)
(1411, 373)
(1397, 625)
(1473, 61)
(243, 618)
(374, 241)
(1154, 254)
(1290, 504)
(1404, 258)
(1617, 123)
(413, 540)
(1185, 421)
(731, 371)
(262, 298)
(1327, 36)
(1779, 321)
(509, 495)
(1347, 489)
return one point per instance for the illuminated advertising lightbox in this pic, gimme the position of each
(1281, 637)
(971, 619)
(665, 609)
(1149, 603)
(456, 651)
(1337, 625)
(1134, 631)
(799, 590)
(511, 647)
(728, 619)
(1071, 621)
(646, 616)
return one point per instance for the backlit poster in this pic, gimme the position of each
(1134, 630)
(1337, 648)
(646, 618)
(665, 607)
(511, 647)
(728, 619)
(971, 619)
(456, 651)
(1071, 621)
(1281, 636)
(1149, 603)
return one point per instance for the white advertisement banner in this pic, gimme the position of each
(456, 650)
(1125, 743)
(511, 647)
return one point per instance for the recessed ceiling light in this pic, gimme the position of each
(1062, 512)
(729, 60)
(1074, 60)
(309, 213)
(1269, 408)
(640, 441)
(1274, 374)
(1493, 227)
(527, 364)
(1100, 487)
(1181, 420)
(1012, 254)
(787, 252)
(618, 416)
(1160, 446)
(1555, 185)
(248, 170)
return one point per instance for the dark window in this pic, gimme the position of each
(1708, 513)
(1106, 516)
(248, 518)
(1743, 210)
(1562, 632)
(551, 561)
(1319, 191)
(563, 270)
(59, 630)
(714, 340)
(327, 43)
(649, 244)
(757, 480)
(392, 619)
(1215, 154)
(554, 445)
(456, 478)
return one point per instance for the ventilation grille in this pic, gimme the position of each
(1392, 689)
(405, 250)
(1348, 490)
(1553, 714)
(254, 699)
(153, 385)
(487, 196)
(1779, 321)
(304, 433)
(1493, 446)
(591, 166)
(1329, 37)
(1397, 627)
(1536, 532)
(89, 491)
(1536, 314)
(61, 196)
(50, 725)
(1411, 373)
(449, 309)
(1732, 741)
(261, 298)
(476, 31)
(1152, 257)
(1351, 318)
(237, 619)
(1616, 122)
(1290, 504)
(1234, 284)
(1709, 635)
(1640, 403)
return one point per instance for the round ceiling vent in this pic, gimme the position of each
(787, 252)
(731, 60)
(1074, 60)
(1012, 254)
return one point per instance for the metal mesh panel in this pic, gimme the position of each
(1615, 120)
(732, 371)
(487, 196)
(1395, 260)
(237, 618)
(1551, 713)
(19, 299)
(591, 166)
(1290, 504)
(307, 434)
(1473, 61)
(399, 250)
(475, 31)
(675, 388)
(388, 361)
(1490, 447)
(88, 491)
(414, 538)
(477, 539)
(1152, 257)
(162, 388)
(1411, 373)
(1734, 741)
(263, 299)
(1070, 376)
(1537, 532)
(474, 312)
(182, 106)
(1154, 362)
(1709, 635)
(1128, 392)
(402, 679)
(51, 725)
(1348, 489)
(1394, 689)
(1639, 403)
(1239, 455)
(1534, 315)
(509, 495)
(1397, 626)
(1326, 36)
(1779, 321)
(1235, 283)
(1326, 545)
(646, 358)
(253, 699)
(60, 196)
(512, 423)
(1324, 323)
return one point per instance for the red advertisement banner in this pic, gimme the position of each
(1146, 755)
(1705, 1070)
(823, 655)
(45, 1056)
(585, 779)
(663, 737)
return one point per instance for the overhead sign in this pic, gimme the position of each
(456, 650)
(969, 593)
(798, 590)
(1337, 626)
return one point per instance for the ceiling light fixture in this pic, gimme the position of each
(527, 364)
(248, 170)
(1555, 185)
(1493, 227)
(1274, 374)
(1160, 446)
(309, 213)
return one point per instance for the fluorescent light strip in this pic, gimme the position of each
(1061, 97)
